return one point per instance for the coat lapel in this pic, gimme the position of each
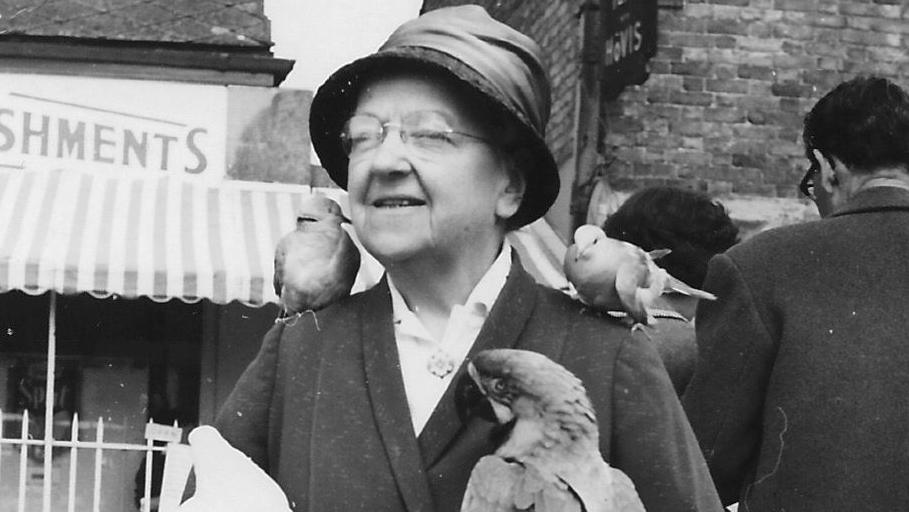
(389, 399)
(502, 328)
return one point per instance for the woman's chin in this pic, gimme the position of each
(394, 249)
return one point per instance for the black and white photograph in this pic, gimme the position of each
(454, 256)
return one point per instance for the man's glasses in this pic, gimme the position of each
(806, 186)
(426, 132)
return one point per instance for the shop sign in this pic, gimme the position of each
(26, 390)
(114, 125)
(629, 35)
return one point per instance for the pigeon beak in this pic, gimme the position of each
(345, 219)
(474, 376)
(582, 250)
(501, 412)
(470, 399)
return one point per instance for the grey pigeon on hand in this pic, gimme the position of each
(317, 263)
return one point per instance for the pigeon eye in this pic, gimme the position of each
(498, 386)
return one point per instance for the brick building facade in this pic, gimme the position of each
(730, 83)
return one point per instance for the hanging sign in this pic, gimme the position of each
(629, 36)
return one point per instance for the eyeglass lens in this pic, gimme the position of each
(425, 131)
(806, 186)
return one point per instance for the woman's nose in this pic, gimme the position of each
(391, 155)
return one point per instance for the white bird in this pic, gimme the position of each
(317, 263)
(613, 274)
(227, 480)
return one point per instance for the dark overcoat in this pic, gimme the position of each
(800, 399)
(323, 408)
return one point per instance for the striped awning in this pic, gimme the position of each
(163, 237)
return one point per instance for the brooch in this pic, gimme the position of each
(440, 364)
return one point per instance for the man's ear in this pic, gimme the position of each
(826, 175)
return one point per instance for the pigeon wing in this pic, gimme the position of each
(346, 263)
(603, 488)
(491, 487)
(677, 285)
(497, 485)
(630, 277)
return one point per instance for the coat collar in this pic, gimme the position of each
(875, 199)
(409, 456)
(389, 400)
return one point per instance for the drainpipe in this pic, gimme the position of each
(587, 119)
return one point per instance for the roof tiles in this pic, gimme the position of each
(217, 22)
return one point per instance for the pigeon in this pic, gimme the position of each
(615, 275)
(550, 460)
(317, 263)
(227, 480)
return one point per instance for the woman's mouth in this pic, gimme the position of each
(397, 202)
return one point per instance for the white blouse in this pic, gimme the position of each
(428, 365)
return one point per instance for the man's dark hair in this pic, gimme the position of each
(691, 224)
(864, 122)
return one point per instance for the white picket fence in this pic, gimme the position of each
(74, 444)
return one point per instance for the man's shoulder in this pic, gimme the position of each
(803, 235)
(782, 243)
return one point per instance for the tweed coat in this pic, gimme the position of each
(800, 398)
(323, 408)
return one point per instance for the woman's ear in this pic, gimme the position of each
(513, 194)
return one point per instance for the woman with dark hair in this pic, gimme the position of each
(695, 228)
(691, 224)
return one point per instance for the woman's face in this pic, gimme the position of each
(438, 197)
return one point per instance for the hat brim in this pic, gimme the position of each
(336, 99)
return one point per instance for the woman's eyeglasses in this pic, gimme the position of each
(806, 186)
(425, 132)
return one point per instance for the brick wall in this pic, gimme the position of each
(732, 79)
(554, 25)
(731, 82)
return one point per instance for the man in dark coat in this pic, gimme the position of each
(439, 139)
(799, 396)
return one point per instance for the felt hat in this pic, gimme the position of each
(501, 65)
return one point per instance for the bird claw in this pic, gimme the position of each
(638, 326)
(287, 319)
(291, 320)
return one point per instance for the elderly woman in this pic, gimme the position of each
(438, 138)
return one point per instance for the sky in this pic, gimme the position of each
(323, 35)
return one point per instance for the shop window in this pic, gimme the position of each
(123, 361)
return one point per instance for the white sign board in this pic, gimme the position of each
(159, 432)
(104, 124)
